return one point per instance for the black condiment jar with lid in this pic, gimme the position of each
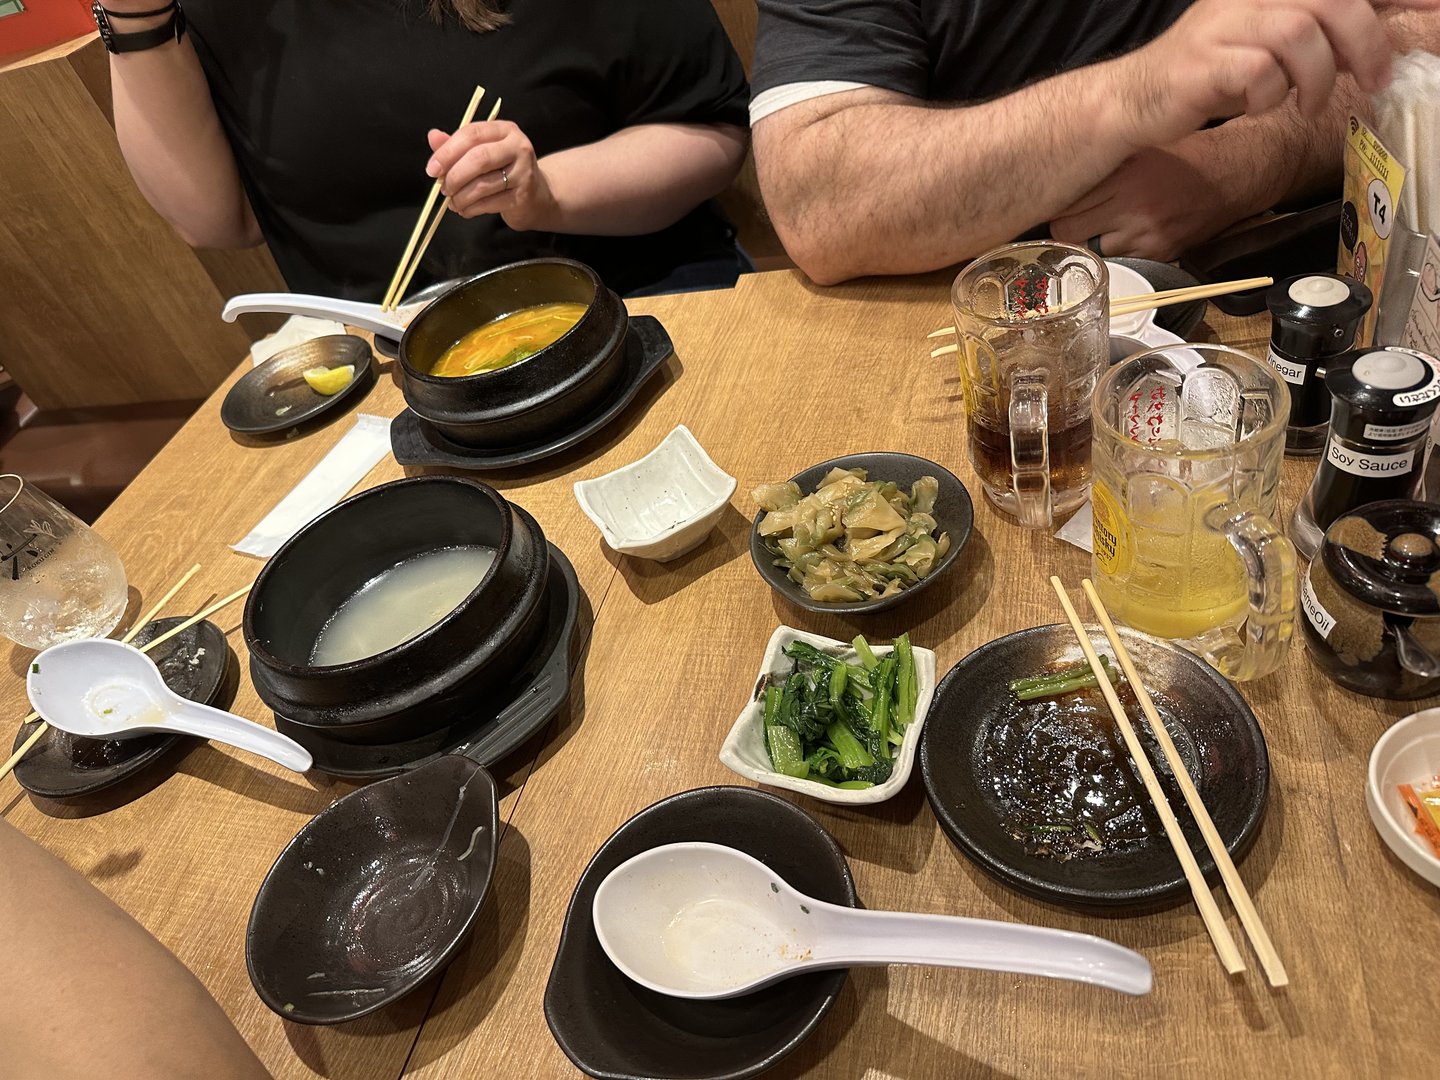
(1382, 401)
(1314, 317)
(1371, 600)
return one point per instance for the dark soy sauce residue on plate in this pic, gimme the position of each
(1061, 770)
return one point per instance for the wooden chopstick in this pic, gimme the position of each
(43, 727)
(1131, 304)
(391, 293)
(1225, 945)
(434, 225)
(1128, 305)
(1239, 895)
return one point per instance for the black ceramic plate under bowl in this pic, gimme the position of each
(61, 766)
(982, 756)
(613, 1028)
(1180, 319)
(275, 396)
(415, 442)
(954, 513)
(504, 719)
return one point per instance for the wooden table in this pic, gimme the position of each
(768, 378)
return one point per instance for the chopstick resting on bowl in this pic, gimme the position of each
(1220, 935)
(404, 273)
(1234, 885)
(138, 625)
(1129, 305)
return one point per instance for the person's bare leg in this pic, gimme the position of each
(88, 992)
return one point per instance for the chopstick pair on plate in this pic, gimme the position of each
(410, 261)
(1220, 934)
(139, 624)
(1129, 305)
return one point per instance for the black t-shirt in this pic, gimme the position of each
(946, 50)
(327, 104)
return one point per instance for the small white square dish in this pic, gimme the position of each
(661, 506)
(1409, 753)
(744, 748)
(1125, 282)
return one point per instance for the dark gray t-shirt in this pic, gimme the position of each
(946, 50)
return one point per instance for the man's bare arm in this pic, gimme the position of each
(1163, 200)
(874, 182)
(890, 185)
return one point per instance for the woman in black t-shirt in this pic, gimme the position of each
(318, 125)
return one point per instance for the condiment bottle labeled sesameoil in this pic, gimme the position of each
(1381, 404)
(1314, 318)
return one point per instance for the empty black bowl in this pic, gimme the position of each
(953, 511)
(614, 1028)
(429, 681)
(967, 756)
(375, 894)
(560, 385)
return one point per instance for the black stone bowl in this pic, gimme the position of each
(520, 404)
(375, 894)
(431, 680)
(1214, 731)
(614, 1028)
(953, 511)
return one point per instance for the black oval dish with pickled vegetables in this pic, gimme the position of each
(953, 515)
(614, 1028)
(197, 664)
(1042, 794)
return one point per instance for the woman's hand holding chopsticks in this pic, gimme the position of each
(490, 167)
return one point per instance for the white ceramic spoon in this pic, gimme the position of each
(388, 324)
(706, 921)
(106, 689)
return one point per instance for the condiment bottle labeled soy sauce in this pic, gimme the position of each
(1314, 317)
(1381, 404)
(1371, 600)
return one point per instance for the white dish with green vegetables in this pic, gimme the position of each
(890, 734)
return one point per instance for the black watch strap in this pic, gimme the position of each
(171, 30)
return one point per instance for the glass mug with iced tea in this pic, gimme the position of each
(1033, 327)
(1189, 440)
(58, 579)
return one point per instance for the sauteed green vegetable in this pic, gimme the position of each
(840, 722)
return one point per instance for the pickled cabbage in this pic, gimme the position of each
(852, 538)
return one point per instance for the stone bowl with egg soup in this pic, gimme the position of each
(515, 354)
(390, 615)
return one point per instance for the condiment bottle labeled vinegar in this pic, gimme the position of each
(1314, 317)
(1381, 404)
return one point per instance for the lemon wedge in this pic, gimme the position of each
(329, 381)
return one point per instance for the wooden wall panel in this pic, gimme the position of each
(102, 303)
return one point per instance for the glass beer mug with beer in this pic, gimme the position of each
(1189, 440)
(1033, 327)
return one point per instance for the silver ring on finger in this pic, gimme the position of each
(504, 181)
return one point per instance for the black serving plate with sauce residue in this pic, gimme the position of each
(614, 1028)
(194, 664)
(1014, 784)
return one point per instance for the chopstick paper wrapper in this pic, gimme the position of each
(340, 470)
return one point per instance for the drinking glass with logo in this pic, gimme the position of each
(1189, 440)
(59, 580)
(1033, 327)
